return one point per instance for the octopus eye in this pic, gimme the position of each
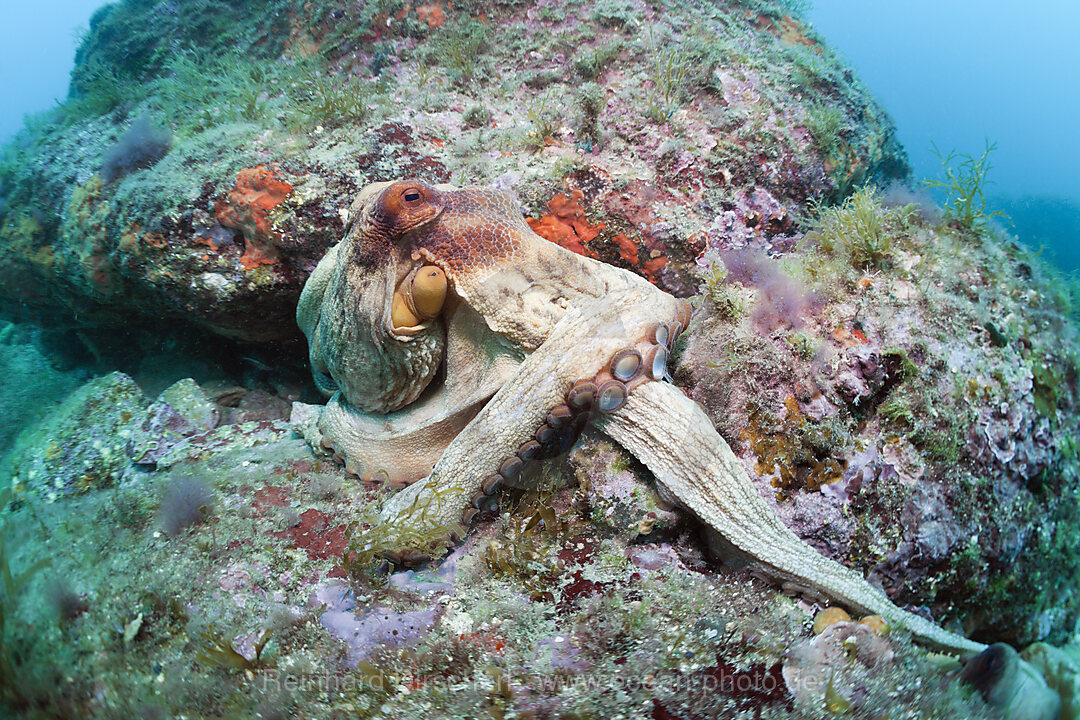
(412, 196)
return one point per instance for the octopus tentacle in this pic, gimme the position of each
(399, 448)
(509, 431)
(671, 435)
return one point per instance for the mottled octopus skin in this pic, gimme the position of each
(445, 404)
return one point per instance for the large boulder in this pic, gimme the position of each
(633, 132)
(82, 443)
(902, 387)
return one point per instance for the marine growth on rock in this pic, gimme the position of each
(617, 323)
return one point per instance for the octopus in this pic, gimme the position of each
(458, 349)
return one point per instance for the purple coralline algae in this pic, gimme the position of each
(365, 630)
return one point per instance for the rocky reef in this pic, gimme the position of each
(900, 379)
(200, 177)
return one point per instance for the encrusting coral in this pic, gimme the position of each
(258, 191)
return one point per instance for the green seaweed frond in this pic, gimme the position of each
(726, 300)
(331, 100)
(862, 228)
(1071, 284)
(809, 68)
(460, 47)
(98, 90)
(592, 63)
(418, 529)
(12, 587)
(528, 550)
(199, 92)
(424, 71)
(616, 14)
(826, 124)
(897, 356)
(543, 113)
(668, 75)
(965, 186)
(798, 8)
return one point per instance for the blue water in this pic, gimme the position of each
(37, 51)
(958, 72)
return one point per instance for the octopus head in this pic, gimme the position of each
(376, 310)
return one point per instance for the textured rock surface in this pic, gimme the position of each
(676, 127)
(82, 444)
(895, 430)
(615, 496)
(912, 416)
(182, 410)
(533, 614)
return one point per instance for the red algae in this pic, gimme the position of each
(258, 190)
(566, 224)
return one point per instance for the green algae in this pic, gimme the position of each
(460, 47)
(862, 229)
(218, 651)
(964, 186)
(12, 588)
(669, 72)
(826, 124)
(591, 62)
(320, 99)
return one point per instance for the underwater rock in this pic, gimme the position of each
(192, 403)
(948, 475)
(304, 421)
(837, 662)
(1011, 437)
(615, 497)
(862, 374)
(81, 444)
(223, 230)
(257, 405)
(180, 411)
(246, 434)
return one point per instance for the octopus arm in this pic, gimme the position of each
(671, 435)
(495, 441)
